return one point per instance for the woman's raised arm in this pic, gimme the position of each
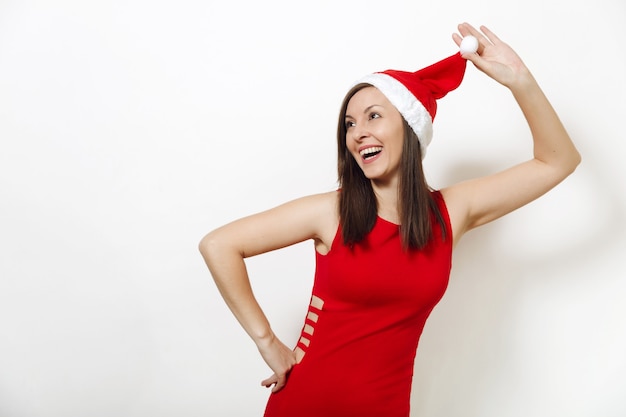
(479, 201)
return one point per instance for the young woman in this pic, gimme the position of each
(384, 240)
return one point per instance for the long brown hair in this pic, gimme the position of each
(358, 208)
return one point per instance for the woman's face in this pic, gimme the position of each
(374, 134)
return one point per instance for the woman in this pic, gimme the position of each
(384, 240)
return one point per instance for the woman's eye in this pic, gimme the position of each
(374, 116)
(350, 124)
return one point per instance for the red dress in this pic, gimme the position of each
(367, 312)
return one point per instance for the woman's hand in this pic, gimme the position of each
(494, 57)
(280, 359)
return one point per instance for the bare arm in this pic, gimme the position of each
(225, 249)
(479, 201)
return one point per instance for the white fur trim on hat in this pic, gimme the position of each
(409, 107)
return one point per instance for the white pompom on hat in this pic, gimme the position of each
(415, 94)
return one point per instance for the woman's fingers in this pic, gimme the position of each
(277, 381)
(493, 38)
(485, 37)
(269, 381)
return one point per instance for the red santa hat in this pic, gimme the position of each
(415, 94)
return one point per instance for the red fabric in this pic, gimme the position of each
(433, 82)
(376, 300)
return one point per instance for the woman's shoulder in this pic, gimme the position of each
(319, 209)
(321, 201)
(325, 207)
(328, 199)
(324, 210)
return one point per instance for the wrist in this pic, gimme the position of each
(263, 338)
(524, 82)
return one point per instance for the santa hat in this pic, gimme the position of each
(415, 94)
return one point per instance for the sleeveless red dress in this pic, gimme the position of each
(367, 312)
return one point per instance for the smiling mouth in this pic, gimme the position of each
(369, 153)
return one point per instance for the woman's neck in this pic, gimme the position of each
(387, 199)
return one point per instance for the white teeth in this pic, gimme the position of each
(368, 151)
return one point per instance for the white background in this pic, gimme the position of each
(129, 129)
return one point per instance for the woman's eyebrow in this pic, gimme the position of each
(368, 108)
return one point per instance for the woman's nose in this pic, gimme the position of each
(358, 133)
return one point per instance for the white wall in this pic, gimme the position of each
(128, 129)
